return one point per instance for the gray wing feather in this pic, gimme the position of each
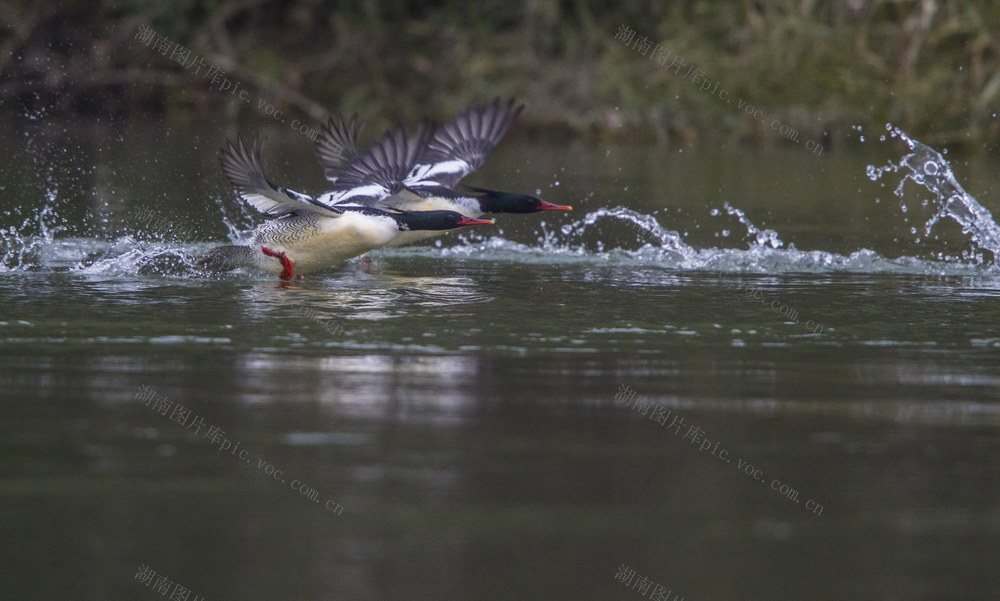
(337, 145)
(381, 171)
(242, 167)
(461, 145)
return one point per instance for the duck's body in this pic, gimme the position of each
(313, 242)
(301, 244)
(309, 235)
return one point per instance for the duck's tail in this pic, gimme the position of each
(227, 258)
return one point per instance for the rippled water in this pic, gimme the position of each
(738, 374)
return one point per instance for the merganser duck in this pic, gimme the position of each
(307, 235)
(457, 149)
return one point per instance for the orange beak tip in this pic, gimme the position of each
(548, 206)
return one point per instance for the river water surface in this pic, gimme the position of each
(728, 374)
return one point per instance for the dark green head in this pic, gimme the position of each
(435, 220)
(492, 201)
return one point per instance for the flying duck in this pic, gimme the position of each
(306, 234)
(456, 149)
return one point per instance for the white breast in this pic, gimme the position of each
(332, 240)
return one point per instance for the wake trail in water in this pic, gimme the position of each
(44, 241)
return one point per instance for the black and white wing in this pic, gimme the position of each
(337, 145)
(242, 167)
(461, 145)
(380, 172)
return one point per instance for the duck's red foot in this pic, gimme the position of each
(287, 269)
(366, 265)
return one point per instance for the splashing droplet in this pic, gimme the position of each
(769, 238)
(929, 169)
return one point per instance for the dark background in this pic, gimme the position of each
(820, 67)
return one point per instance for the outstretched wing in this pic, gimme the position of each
(242, 167)
(337, 145)
(461, 145)
(379, 172)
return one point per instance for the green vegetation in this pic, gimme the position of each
(819, 67)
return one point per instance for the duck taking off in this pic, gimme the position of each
(306, 234)
(457, 149)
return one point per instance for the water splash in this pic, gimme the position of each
(238, 219)
(761, 238)
(927, 168)
(20, 245)
(45, 241)
(666, 240)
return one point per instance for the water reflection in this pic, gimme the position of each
(458, 402)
